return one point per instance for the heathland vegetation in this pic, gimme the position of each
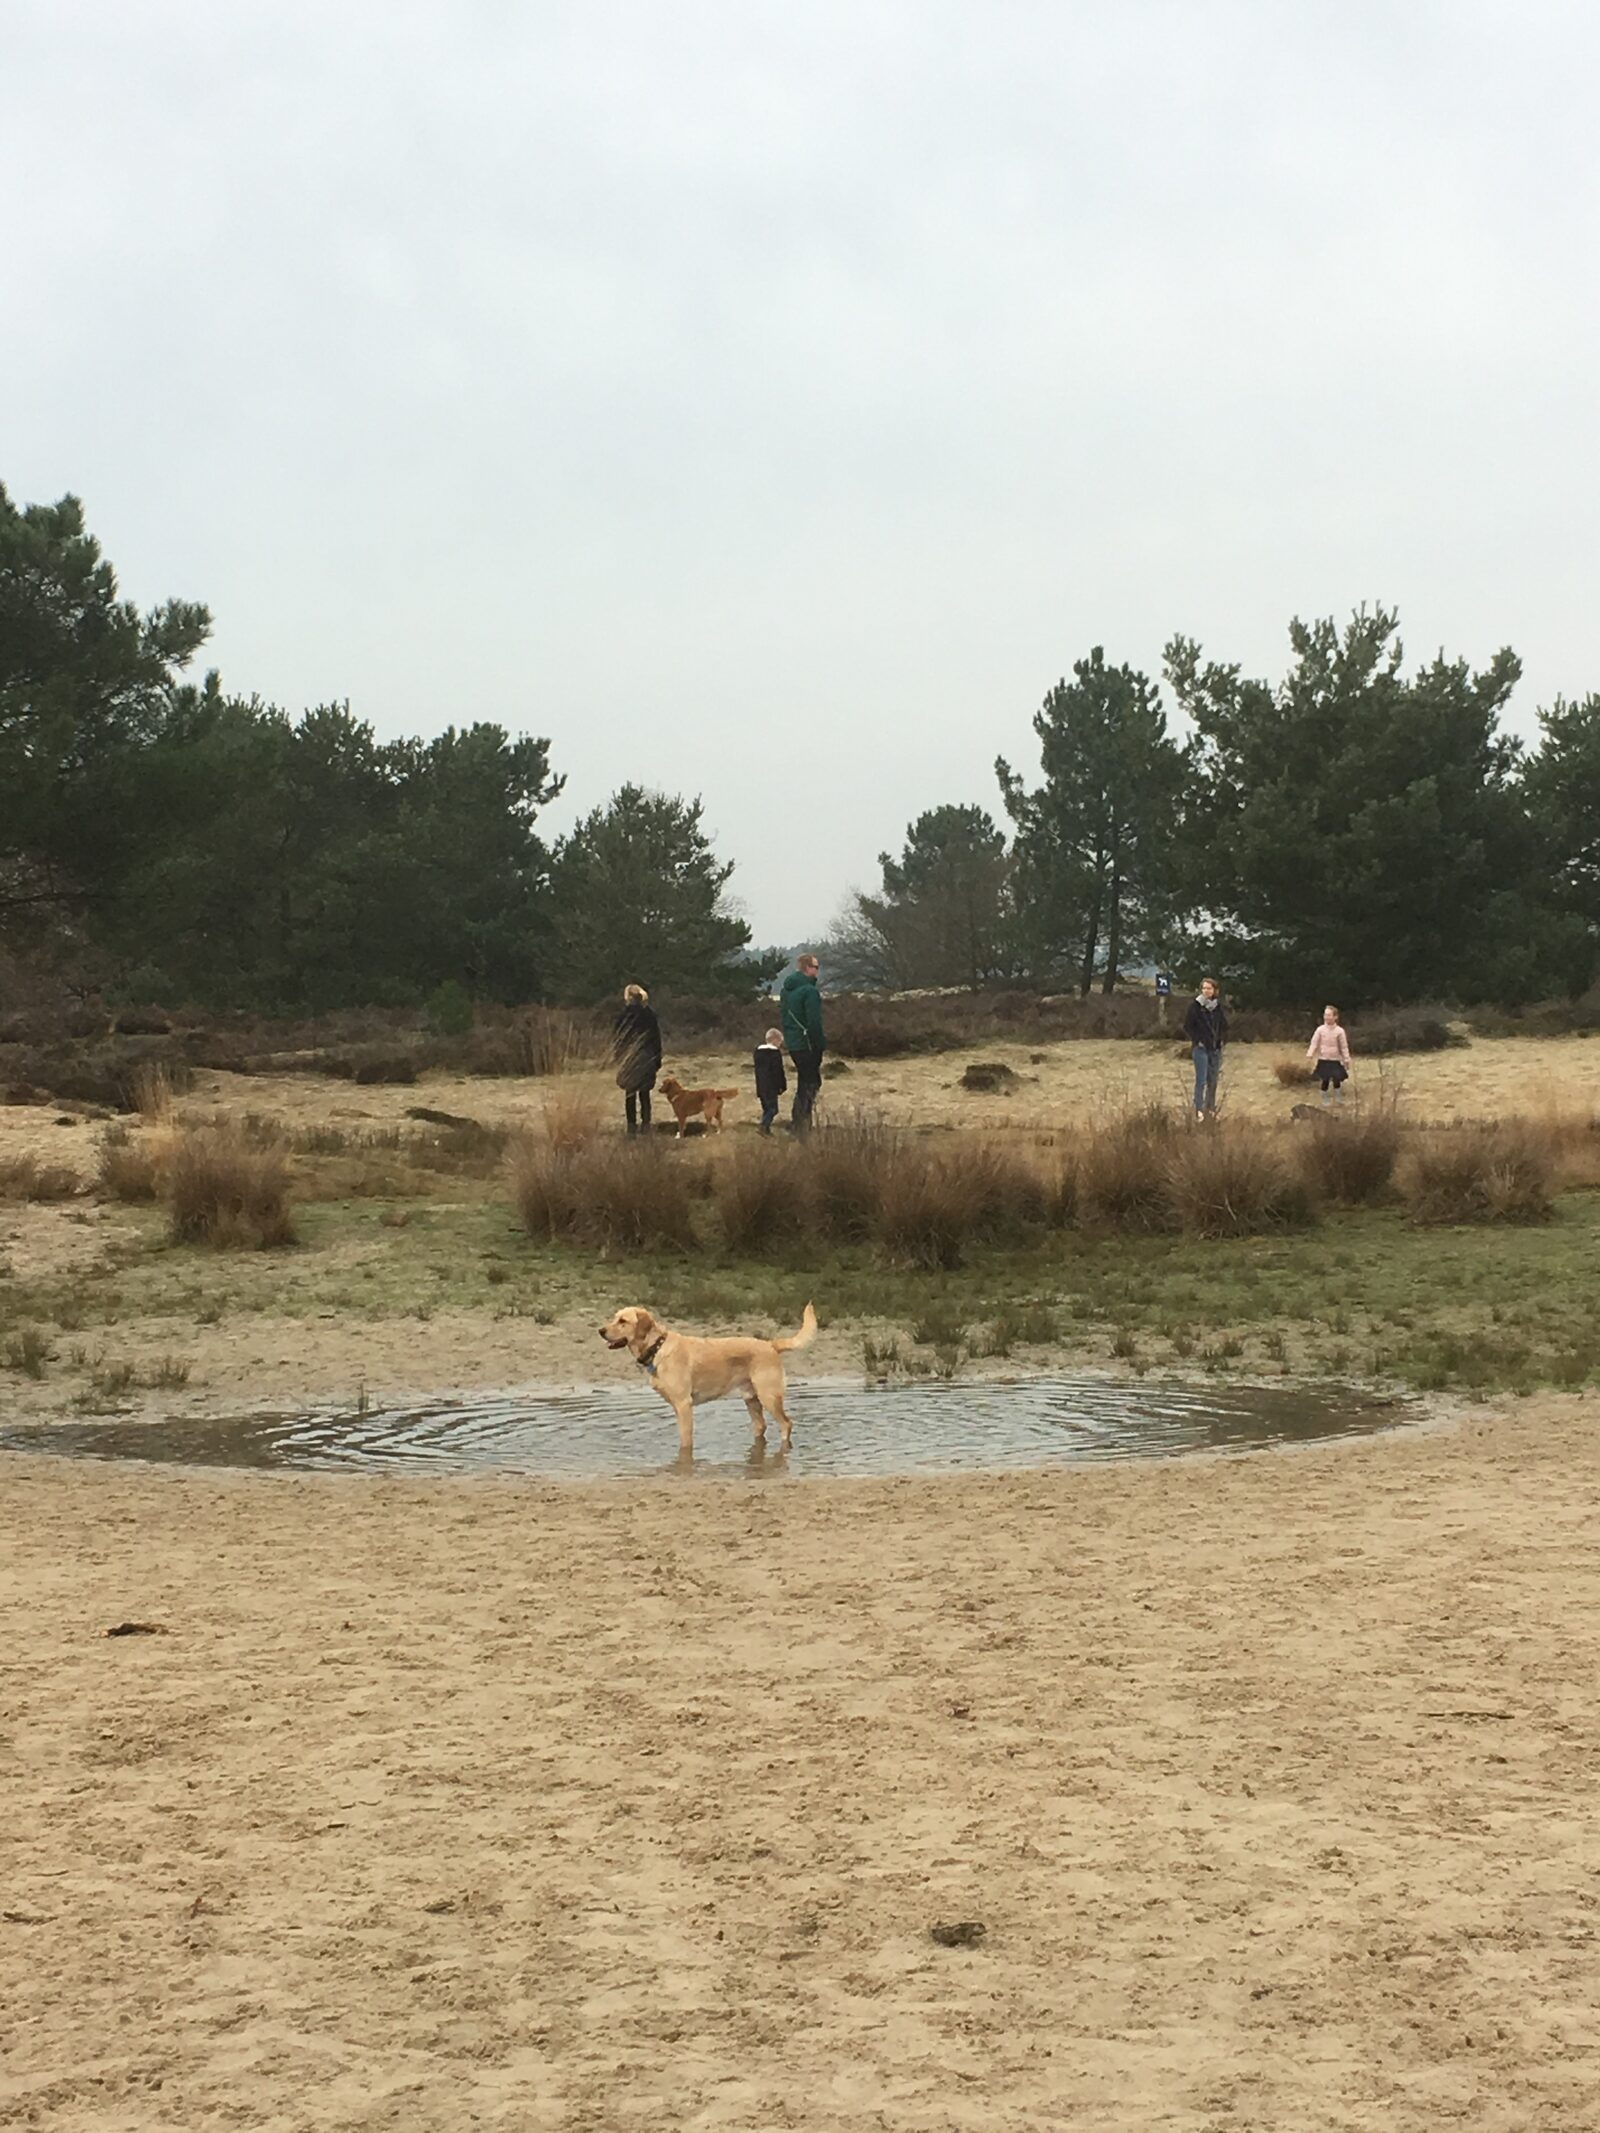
(1410, 1239)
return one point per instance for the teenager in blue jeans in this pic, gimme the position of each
(1206, 1027)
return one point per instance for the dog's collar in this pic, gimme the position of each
(647, 1361)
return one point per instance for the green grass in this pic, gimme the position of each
(1366, 1295)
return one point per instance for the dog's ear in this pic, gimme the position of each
(641, 1329)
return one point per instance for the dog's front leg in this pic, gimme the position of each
(684, 1410)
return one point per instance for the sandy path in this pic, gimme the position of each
(497, 1805)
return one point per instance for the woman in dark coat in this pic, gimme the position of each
(637, 1045)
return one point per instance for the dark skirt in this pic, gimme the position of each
(1332, 1073)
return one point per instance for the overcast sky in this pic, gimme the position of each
(768, 399)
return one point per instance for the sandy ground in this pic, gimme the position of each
(1270, 1781)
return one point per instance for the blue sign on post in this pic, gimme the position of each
(1163, 982)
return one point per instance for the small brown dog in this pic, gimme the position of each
(695, 1103)
(684, 1369)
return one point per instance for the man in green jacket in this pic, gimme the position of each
(800, 1000)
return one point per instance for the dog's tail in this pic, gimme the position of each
(806, 1335)
(727, 1092)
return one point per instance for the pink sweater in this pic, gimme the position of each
(1329, 1043)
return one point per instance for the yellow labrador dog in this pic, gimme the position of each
(684, 1369)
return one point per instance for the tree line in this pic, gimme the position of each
(1352, 831)
(166, 841)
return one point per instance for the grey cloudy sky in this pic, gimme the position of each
(768, 399)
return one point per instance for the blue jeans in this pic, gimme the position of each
(1207, 1068)
(769, 1111)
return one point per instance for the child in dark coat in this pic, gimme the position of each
(771, 1080)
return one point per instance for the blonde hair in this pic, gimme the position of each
(635, 992)
(778, 1033)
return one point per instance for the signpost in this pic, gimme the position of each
(1163, 994)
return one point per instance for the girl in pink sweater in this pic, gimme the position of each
(1329, 1050)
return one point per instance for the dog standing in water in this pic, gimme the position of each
(685, 1369)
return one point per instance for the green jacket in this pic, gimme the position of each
(800, 1003)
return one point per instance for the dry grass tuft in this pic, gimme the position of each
(757, 1194)
(24, 1177)
(573, 1115)
(228, 1192)
(1494, 1173)
(926, 1212)
(1290, 1073)
(1229, 1181)
(150, 1091)
(1349, 1155)
(846, 1166)
(132, 1169)
(1123, 1170)
(617, 1195)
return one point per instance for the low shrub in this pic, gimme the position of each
(1404, 1029)
(990, 1077)
(1290, 1073)
(1497, 1173)
(1229, 1181)
(228, 1192)
(110, 1075)
(1349, 1155)
(379, 1067)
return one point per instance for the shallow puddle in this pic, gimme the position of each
(841, 1428)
